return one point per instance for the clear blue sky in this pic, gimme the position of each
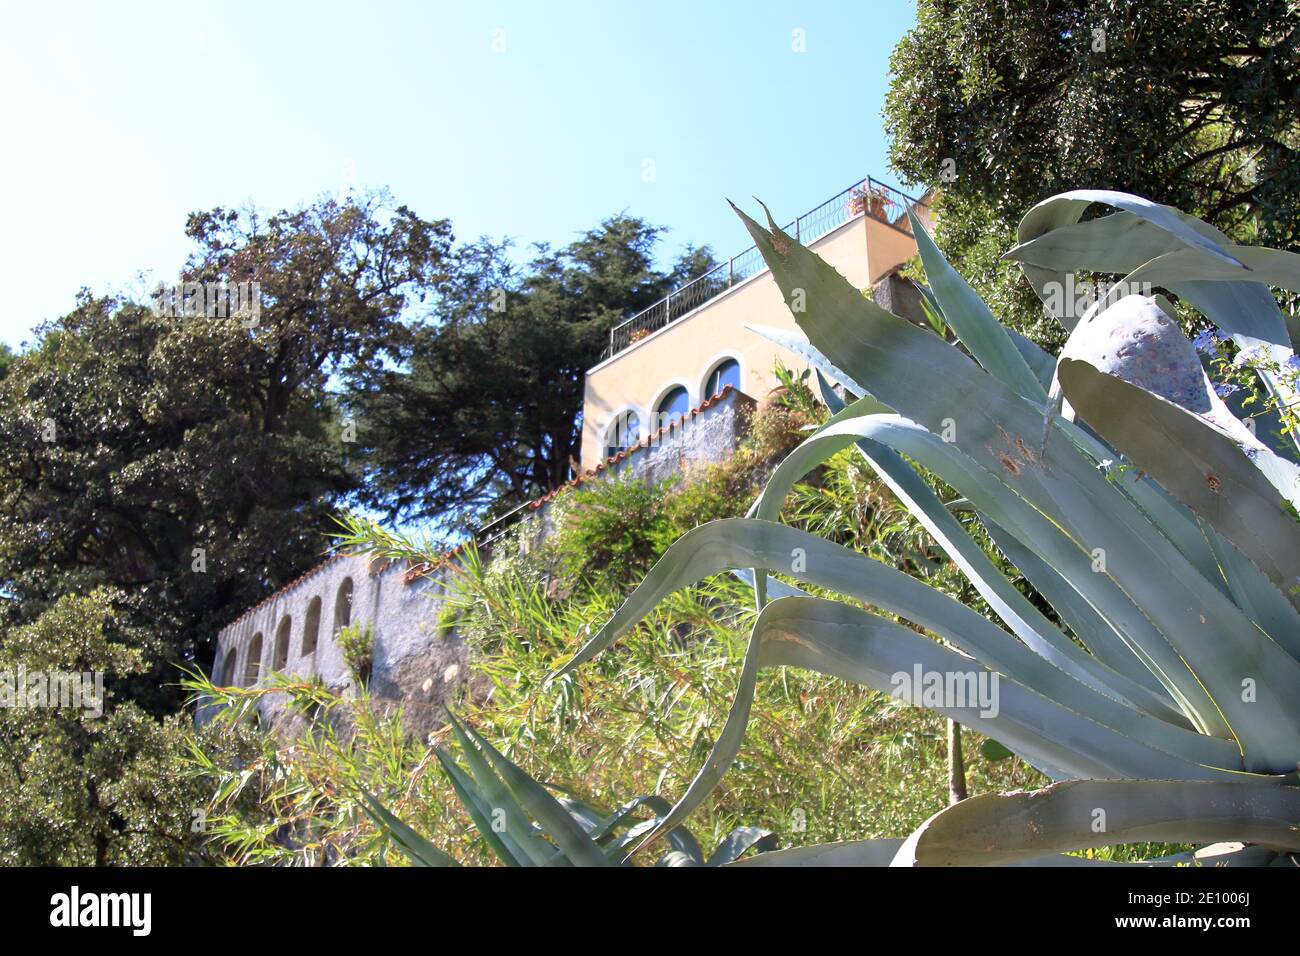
(119, 119)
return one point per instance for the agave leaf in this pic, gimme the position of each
(998, 829)
(1206, 468)
(676, 858)
(1022, 617)
(1255, 594)
(497, 795)
(1217, 855)
(1042, 537)
(837, 639)
(1165, 512)
(1117, 243)
(873, 853)
(1089, 626)
(740, 542)
(1033, 528)
(775, 588)
(842, 641)
(657, 805)
(1040, 362)
(989, 423)
(798, 344)
(971, 320)
(849, 853)
(738, 841)
(1270, 267)
(1065, 208)
(579, 848)
(416, 848)
(1055, 243)
(479, 810)
(1025, 621)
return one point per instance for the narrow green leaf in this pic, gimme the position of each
(416, 848)
(501, 844)
(971, 320)
(550, 814)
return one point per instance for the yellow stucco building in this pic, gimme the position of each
(663, 362)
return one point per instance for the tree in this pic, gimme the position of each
(193, 463)
(1193, 103)
(96, 781)
(486, 412)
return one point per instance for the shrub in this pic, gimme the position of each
(357, 642)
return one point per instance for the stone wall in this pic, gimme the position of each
(706, 435)
(414, 663)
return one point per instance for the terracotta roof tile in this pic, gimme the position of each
(287, 588)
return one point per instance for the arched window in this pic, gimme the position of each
(311, 627)
(727, 372)
(672, 406)
(281, 657)
(253, 666)
(623, 434)
(228, 676)
(343, 606)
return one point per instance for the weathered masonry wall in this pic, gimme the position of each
(417, 663)
(293, 632)
(704, 436)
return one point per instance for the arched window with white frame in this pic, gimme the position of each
(726, 372)
(623, 432)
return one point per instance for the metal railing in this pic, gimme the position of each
(867, 197)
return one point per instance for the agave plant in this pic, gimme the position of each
(1163, 534)
(524, 825)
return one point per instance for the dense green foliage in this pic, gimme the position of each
(1192, 103)
(486, 412)
(95, 784)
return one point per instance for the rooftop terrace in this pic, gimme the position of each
(868, 197)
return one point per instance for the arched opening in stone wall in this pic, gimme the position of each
(281, 657)
(343, 606)
(253, 666)
(311, 628)
(227, 676)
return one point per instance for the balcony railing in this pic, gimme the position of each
(869, 197)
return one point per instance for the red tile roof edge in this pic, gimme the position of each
(417, 571)
(286, 588)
